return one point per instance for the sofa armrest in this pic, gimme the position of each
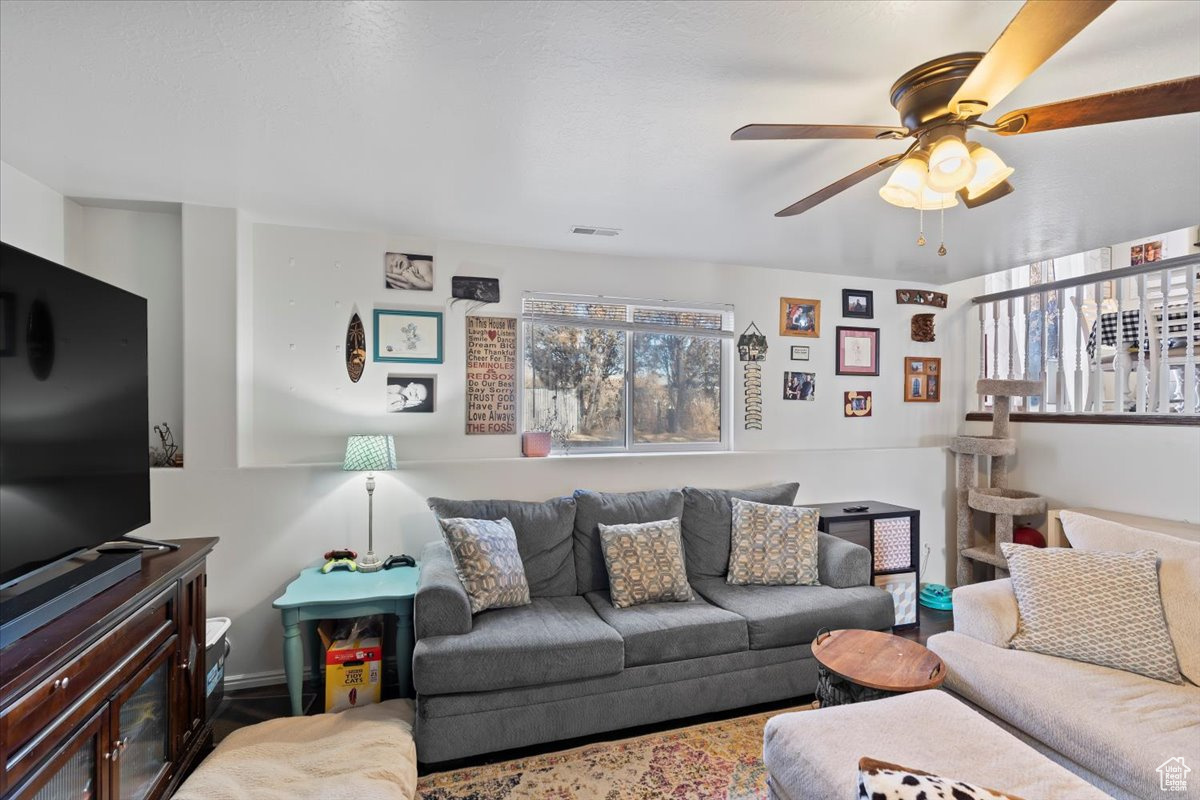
(987, 611)
(441, 606)
(842, 564)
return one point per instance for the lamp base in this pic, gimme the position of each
(370, 562)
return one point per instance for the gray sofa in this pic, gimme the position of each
(570, 664)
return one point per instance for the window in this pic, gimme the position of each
(607, 375)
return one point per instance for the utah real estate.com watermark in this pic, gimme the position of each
(1173, 775)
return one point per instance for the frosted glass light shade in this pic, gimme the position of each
(990, 171)
(933, 201)
(369, 452)
(950, 165)
(906, 183)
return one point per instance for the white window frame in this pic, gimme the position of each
(724, 335)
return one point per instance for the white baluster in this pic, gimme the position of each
(995, 340)
(1121, 358)
(1041, 376)
(982, 351)
(1080, 338)
(1097, 388)
(1012, 343)
(1191, 387)
(1143, 386)
(1061, 401)
(1164, 371)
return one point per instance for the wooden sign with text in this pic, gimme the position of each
(491, 375)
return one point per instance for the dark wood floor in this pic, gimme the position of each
(248, 706)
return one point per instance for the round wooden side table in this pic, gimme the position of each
(857, 665)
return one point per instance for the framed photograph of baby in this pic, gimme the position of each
(411, 394)
(408, 271)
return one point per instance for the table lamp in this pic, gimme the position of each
(368, 453)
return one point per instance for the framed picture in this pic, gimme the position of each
(857, 404)
(922, 380)
(799, 317)
(479, 290)
(410, 337)
(408, 271)
(799, 386)
(411, 394)
(858, 303)
(799, 352)
(857, 351)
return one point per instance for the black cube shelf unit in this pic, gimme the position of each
(893, 535)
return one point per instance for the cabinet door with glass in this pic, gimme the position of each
(142, 744)
(78, 770)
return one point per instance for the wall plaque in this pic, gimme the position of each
(491, 375)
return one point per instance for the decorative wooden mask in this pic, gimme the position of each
(922, 328)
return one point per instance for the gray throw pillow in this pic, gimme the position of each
(487, 562)
(708, 522)
(645, 563)
(773, 545)
(1102, 608)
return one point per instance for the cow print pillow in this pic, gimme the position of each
(879, 780)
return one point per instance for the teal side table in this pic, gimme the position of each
(339, 595)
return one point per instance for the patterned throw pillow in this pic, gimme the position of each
(487, 562)
(645, 563)
(773, 545)
(1102, 608)
(880, 780)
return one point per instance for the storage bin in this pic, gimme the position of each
(216, 648)
(892, 544)
(903, 589)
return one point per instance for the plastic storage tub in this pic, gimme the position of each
(216, 648)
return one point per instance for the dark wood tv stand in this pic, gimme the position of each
(108, 701)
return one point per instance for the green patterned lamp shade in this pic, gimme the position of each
(369, 452)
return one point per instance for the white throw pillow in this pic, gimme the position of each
(1178, 576)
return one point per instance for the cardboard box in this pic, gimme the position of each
(353, 664)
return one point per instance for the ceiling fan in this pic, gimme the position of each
(940, 100)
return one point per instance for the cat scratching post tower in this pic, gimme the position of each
(993, 497)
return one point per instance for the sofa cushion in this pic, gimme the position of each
(1115, 724)
(543, 537)
(655, 633)
(777, 616)
(1178, 576)
(487, 562)
(550, 640)
(773, 545)
(708, 519)
(1103, 608)
(593, 508)
(645, 563)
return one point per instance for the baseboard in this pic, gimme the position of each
(255, 680)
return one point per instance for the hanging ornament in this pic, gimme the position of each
(752, 351)
(921, 226)
(942, 246)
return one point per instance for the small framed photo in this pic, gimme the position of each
(799, 352)
(922, 380)
(409, 271)
(857, 351)
(799, 386)
(857, 404)
(410, 337)
(411, 394)
(799, 317)
(858, 303)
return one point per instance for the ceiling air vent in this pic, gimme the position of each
(592, 230)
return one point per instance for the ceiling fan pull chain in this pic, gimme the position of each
(942, 246)
(921, 233)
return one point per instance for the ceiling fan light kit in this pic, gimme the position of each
(940, 100)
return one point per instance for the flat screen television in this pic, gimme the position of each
(74, 418)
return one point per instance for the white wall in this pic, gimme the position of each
(31, 215)
(141, 252)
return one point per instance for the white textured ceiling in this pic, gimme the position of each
(509, 122)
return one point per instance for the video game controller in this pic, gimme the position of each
(340, 558)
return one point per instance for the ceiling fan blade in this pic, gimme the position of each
(1037, 32)
(1181, 96)
(999, 191)
(839, 186)
(758, 132)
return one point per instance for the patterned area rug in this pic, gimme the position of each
(713, 761)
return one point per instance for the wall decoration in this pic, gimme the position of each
(491, 375)
(858, 303)
(799, 386)
(922, 380)
(411, 337)
(799, 317)
(1145, 253)
(167, 455)
(752, 351)
(479, 290)
(921, 297)
(922, 328)
(857, 351)
(857, 404)
(799, 352)
(356, 348)
(411, 394)
(408, 271)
